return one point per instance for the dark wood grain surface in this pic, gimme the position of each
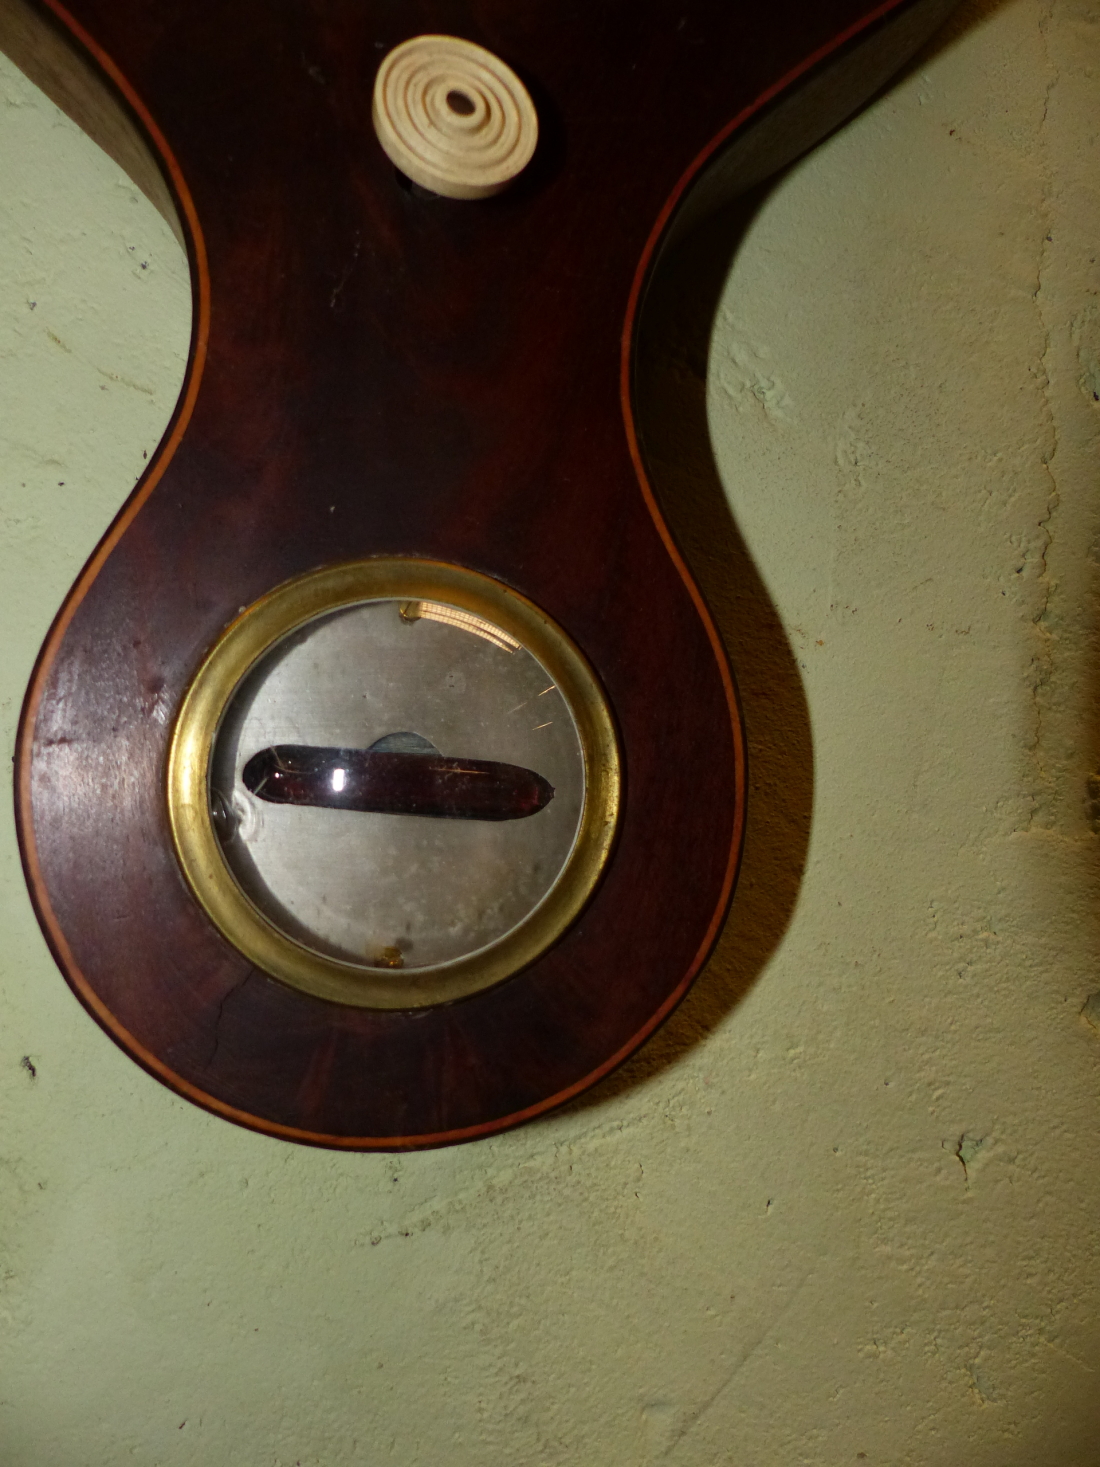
(392, 374)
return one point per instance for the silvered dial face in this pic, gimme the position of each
(398, 784)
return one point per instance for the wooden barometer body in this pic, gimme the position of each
(404, 461)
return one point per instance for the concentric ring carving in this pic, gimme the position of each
(453, 117)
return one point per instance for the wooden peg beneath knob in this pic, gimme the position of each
(452, 117)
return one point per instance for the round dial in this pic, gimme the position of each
(398, 784)
(393, 783)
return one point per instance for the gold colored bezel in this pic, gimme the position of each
(241, 646)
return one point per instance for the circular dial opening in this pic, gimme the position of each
(397, 785)
(393, 783)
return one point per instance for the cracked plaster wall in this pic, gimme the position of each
(848, 1213)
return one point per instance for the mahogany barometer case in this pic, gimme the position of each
(381, 782)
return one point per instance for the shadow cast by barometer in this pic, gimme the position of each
(671, 396)
(672, 352)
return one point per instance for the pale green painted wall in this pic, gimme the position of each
(758, 1245)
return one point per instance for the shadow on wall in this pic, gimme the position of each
(671, 391)
(671, 400)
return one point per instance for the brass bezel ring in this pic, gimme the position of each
(252, 636)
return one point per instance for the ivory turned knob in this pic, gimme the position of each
(453, 117)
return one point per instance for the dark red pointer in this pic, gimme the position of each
(402, 783)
